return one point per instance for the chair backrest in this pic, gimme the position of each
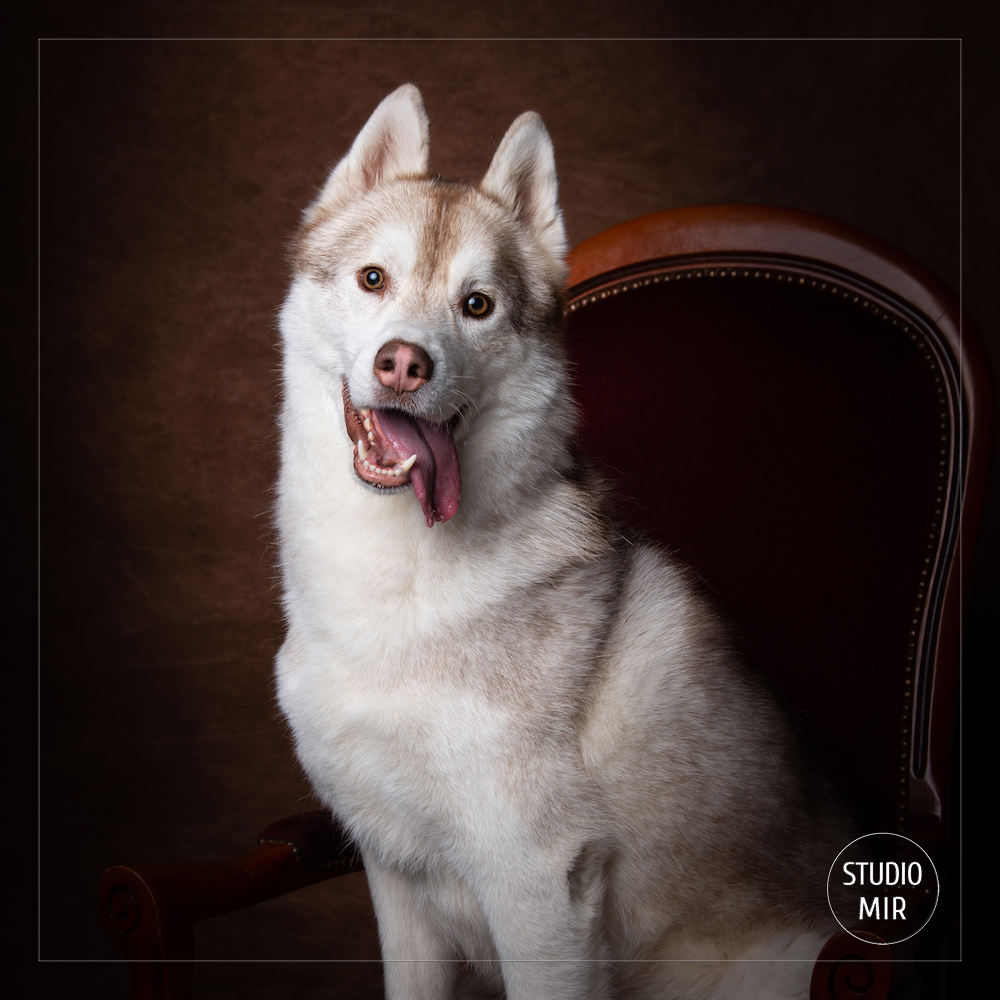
(801, 413)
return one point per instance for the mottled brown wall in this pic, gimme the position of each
(172, 174)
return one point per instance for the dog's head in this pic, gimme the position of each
(429, 303)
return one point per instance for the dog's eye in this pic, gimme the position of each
(372, 279)
(477, 305)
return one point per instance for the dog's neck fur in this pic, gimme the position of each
(347, 525)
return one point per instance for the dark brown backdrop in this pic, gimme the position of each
(172, 174)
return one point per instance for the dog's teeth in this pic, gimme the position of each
(407, 465)
(362, 451)
(368, 424)
(371, 435)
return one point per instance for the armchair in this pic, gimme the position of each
(802, 413)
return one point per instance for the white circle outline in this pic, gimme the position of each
(937, 883)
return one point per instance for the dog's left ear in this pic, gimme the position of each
(393, 143)
(522, 176)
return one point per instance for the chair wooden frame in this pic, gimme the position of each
(786, 245)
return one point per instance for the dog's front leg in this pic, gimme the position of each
(419, 962)
(547, 932)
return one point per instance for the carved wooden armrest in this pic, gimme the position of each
(150, 909)
(849, 967)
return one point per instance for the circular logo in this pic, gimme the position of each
(884, 883)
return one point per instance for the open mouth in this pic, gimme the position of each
(394, 449)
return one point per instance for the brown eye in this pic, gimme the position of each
(372, 279)
(477, 305)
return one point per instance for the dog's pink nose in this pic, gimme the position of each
(403, 367)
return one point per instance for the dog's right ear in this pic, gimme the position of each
(393, 143)
(522, 176)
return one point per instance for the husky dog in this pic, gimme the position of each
(533, 726)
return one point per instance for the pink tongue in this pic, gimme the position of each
(435, 474)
